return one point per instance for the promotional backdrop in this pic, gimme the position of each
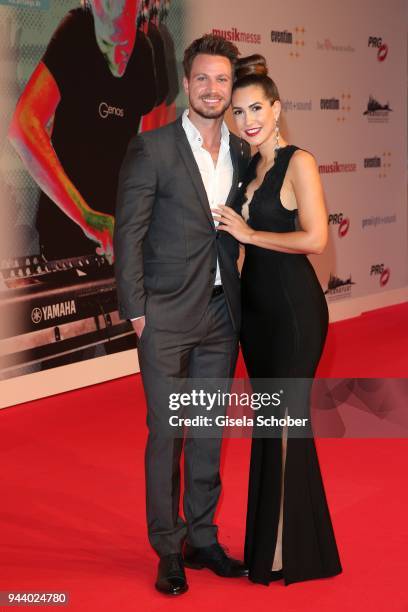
(79, 80)
(340, 68)
(341, 72)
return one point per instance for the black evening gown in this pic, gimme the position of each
(284, 327)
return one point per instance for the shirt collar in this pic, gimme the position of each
(194, 137)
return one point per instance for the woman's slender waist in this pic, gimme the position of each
(258, 257)
(261, 270)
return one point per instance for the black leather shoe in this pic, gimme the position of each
(276, 575)
(171, 579)
(214, 558)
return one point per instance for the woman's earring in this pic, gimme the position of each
(277, 136)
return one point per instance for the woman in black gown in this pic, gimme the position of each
(289, 533)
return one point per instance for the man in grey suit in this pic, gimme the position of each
(177, 280)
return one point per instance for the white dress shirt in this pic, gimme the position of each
(217, 178)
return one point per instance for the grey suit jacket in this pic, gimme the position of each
(165, 241)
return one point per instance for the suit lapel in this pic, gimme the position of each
(235, 153)
(192, 168)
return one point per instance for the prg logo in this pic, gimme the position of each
(379, 270)
(376, 42)
(341, 221)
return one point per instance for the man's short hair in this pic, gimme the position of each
(209, 44)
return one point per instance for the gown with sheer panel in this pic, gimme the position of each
(284, 327)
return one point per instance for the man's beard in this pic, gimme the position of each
(209, 113)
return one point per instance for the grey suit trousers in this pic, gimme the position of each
(209, 350)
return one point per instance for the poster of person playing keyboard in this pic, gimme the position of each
(106, 73)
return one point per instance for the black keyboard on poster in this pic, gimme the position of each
(52, 308)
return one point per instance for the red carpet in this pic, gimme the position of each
(72, 505)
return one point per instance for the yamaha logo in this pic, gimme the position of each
(53, 311)
(105, 111)
(36, 315)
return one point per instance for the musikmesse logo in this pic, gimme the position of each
(336, 167)
(235, 35)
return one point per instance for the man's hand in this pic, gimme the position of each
(99, 228)
(138, 326)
